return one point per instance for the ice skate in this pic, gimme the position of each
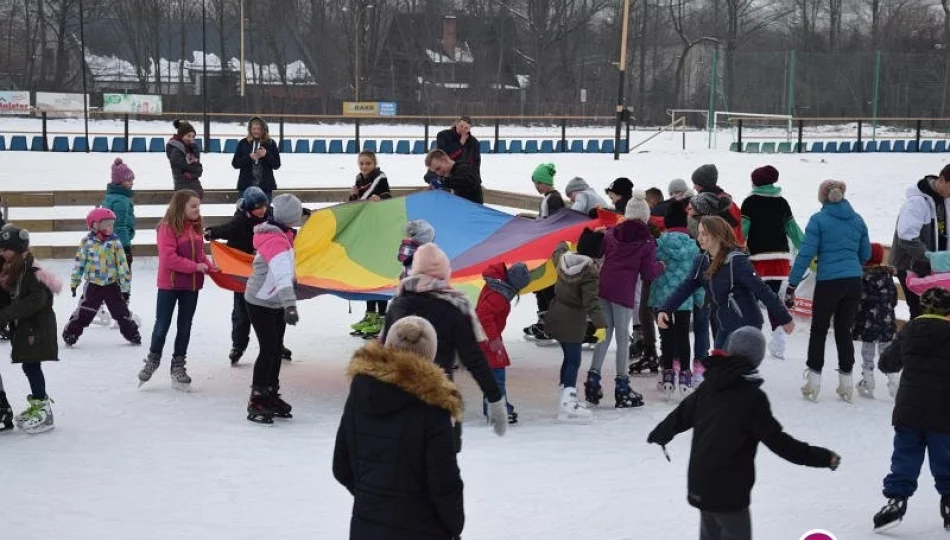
(845, 388)
(570, 411)
(373, 326)
(285, 354)
(152, 361)
(686, 383)
(648, 363)
(593, 393)
(357, 327)
(812, 385)
(512, 415)
(258, 408)
(624, 396)
(636, 343)
(275, 403)
(70, 339)
(892, 513)
(102, 317)
(945, 511)
(180, 379)
(6, 413)
(37, 418)
(778, 343)
(699, 371)
(235, 355)
(866, 384)
(668, 386)
(4, 334)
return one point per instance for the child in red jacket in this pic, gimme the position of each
(494, 304)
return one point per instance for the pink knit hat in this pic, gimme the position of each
(121, 172)
(430, 260)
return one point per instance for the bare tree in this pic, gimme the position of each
(680, 11)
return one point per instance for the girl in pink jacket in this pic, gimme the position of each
(182, 265)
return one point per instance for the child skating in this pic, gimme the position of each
(502, 285)
(120, 199)
(875, 324)
(418, 233)
(30, 314)
(101, 262)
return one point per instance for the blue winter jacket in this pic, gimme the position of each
(839, 238)
(734, 291)
(677, 251)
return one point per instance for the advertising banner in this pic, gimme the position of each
(14, 102)
(132, 103)
(59, 105)
(360, 108)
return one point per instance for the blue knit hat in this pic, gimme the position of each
(253, 197)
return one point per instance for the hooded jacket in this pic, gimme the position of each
(921, 225)
(493, 310)
(271, 284)
(242, 161)
(839, 238)
(629, 253)
(575, 298)
(239, 230)
(585, 198)
(922, 351)
(730, 415)
(178, 258)
(185, 161)
(119, 200)
(101, 262)
(677, 251)
(395, 448)
(30, 311)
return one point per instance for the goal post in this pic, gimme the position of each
(784, 120)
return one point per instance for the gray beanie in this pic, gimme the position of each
(415, 335)
(747, 342)
(576, 184)
(287, 210)
(518, 276)
(677, 185)
(706, 177)
(420, 231)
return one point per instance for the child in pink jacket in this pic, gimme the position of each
(182, 264)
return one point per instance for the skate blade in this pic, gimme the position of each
(572, 419)
(38, 430)
(888, 526)
(141, 382)
(182, 387)
(545, 342)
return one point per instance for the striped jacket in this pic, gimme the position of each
(101, 262)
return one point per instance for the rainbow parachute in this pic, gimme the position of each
(349, 250)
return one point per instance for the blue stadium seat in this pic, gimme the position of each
(941, 146)
(844, 147)
(369, 145)
(18, 143)
(302, 146)
(402, 147)
(484, 147)
(884, 146)
(818, 147)
(60, 144)
(561, 146)
(870, 147)
(351, 146)
(101, 144)
(336, 146)
(856, 146)
(3, 143)
(577, 146)
(38, 144)
(319, 146)
(198, 142)
(900, 146)
(531, 146)
(912, 146)
(547, 147)
(138, 144)
(516, 147)
(432, 144)
(80, 144)
(419, 147)
(286, 146)
(386, 146)
(623, 146)
(156, 144)
(607, 146)
(593, 147)
(926, 146)
(501, 147)
(119, 145)
(214, 146)
(230, 146)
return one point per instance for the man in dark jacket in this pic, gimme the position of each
(730, 415)
(922, 400)
(395, 448)
(459, 178)
(458, 143)
(257, 157)
(921, 227)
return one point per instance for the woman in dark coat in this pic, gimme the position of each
(257, 157)
(185, 158)
(395, 448)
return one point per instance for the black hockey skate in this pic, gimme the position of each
(6, 413)
(512, 417)
(70, 339)
(892, 513)
(258, 408)
(648, 363)
(235, 355)
(280, 407)
(945, 511)
(636, 343)
(4, 334)
(624, 396)
(593, 392)
(285, 354)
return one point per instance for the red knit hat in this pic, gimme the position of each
(765, 176)
(877, 255)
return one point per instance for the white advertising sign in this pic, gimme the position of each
(57, 104)
(14, 102)
(132, 103)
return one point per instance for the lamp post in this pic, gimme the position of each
(204, 71)
(82, 66)
(243, 69)
(623, 71)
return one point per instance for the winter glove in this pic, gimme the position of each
(600, 334)
(208, 234)
(835, 461)
(921, 267)
(290, 316)
(498, 416)
(593, 213)
(73, 289)
(496, 345)
(789, 297)
(126, 296)
(893, 383)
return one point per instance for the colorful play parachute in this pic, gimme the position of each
(349, 250)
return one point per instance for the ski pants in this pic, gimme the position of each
(240, 323)
(93, 296)
(269, 326)
(674, 341)
(618, 324)
(725, 525)
(187, 302)
(838, 298)
(869, 352)
(908, 457)
(571, 364)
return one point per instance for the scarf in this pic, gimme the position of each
(770, 190)
(501, 287)
(437, 288)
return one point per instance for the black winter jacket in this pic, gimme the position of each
(922, 350)
(239, 231)
(465, 182)
(455, 334)
(875, 321)
(470, 153)
(730, 415)
(242, 161)
(363, 183)
(28, 309)
(395, 448)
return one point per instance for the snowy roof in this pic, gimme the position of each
(463, 55)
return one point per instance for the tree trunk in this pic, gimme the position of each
(642, 75)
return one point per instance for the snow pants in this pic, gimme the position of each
(908, 457)
(93, 296)
(725, 525)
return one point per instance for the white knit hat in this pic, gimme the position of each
(637, 207)
(415, 335)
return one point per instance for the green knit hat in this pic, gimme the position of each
(544, 174)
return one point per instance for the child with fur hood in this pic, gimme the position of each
(395, 447)
(30, 290)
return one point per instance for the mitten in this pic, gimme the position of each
(290, 316)
(893, 383)
(126, 296)
(73, 289)
(790, 297)
(921, 267)
(498, 416)
(835, 461)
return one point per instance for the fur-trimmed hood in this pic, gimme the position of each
(394, 379)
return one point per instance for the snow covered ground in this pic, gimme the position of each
(154, 463)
